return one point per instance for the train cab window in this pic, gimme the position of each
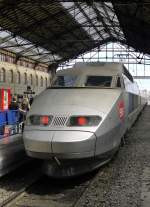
(65, 81)
(100, 81)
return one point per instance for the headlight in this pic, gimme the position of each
(39, 120)
(84, 121)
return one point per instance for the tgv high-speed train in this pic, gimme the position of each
(77, 124)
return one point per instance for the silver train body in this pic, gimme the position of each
(77, 124)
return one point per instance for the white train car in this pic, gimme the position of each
(77, 124)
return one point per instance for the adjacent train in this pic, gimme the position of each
(77, 125)
(12, 153)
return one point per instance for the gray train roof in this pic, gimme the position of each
(56, 31)
(94, 68)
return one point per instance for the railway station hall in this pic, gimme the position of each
(75, 103)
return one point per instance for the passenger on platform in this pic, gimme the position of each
(24, 108)
(14, 104)
(31, 100)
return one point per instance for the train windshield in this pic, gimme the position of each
(65, 81)
(70, 81)
(99, 81)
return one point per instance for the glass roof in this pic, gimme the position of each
(98, 20)
(24, 48)
(59, 31)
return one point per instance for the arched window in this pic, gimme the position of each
(46, 82)
(31, 79)
(25, 78)
(18, 77)
(11, 76)
(41, 81)
(37, 80)
(2, 75)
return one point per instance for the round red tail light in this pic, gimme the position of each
(44, 120)
(82, 121)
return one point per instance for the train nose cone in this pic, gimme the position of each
(37, 141)
(62, 144)
(73, 144)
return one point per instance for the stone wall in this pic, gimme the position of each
(19, 88)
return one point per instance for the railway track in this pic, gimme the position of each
(47, 192)
(15, 183)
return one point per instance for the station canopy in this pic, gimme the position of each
(53, 32)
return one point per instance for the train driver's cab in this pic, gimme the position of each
(84, 81)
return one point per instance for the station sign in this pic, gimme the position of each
(29, 91)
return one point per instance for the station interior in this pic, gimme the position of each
(40, 39)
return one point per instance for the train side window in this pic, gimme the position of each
(123, 83)
(128, 84)
(59, 81)
(118, 82)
